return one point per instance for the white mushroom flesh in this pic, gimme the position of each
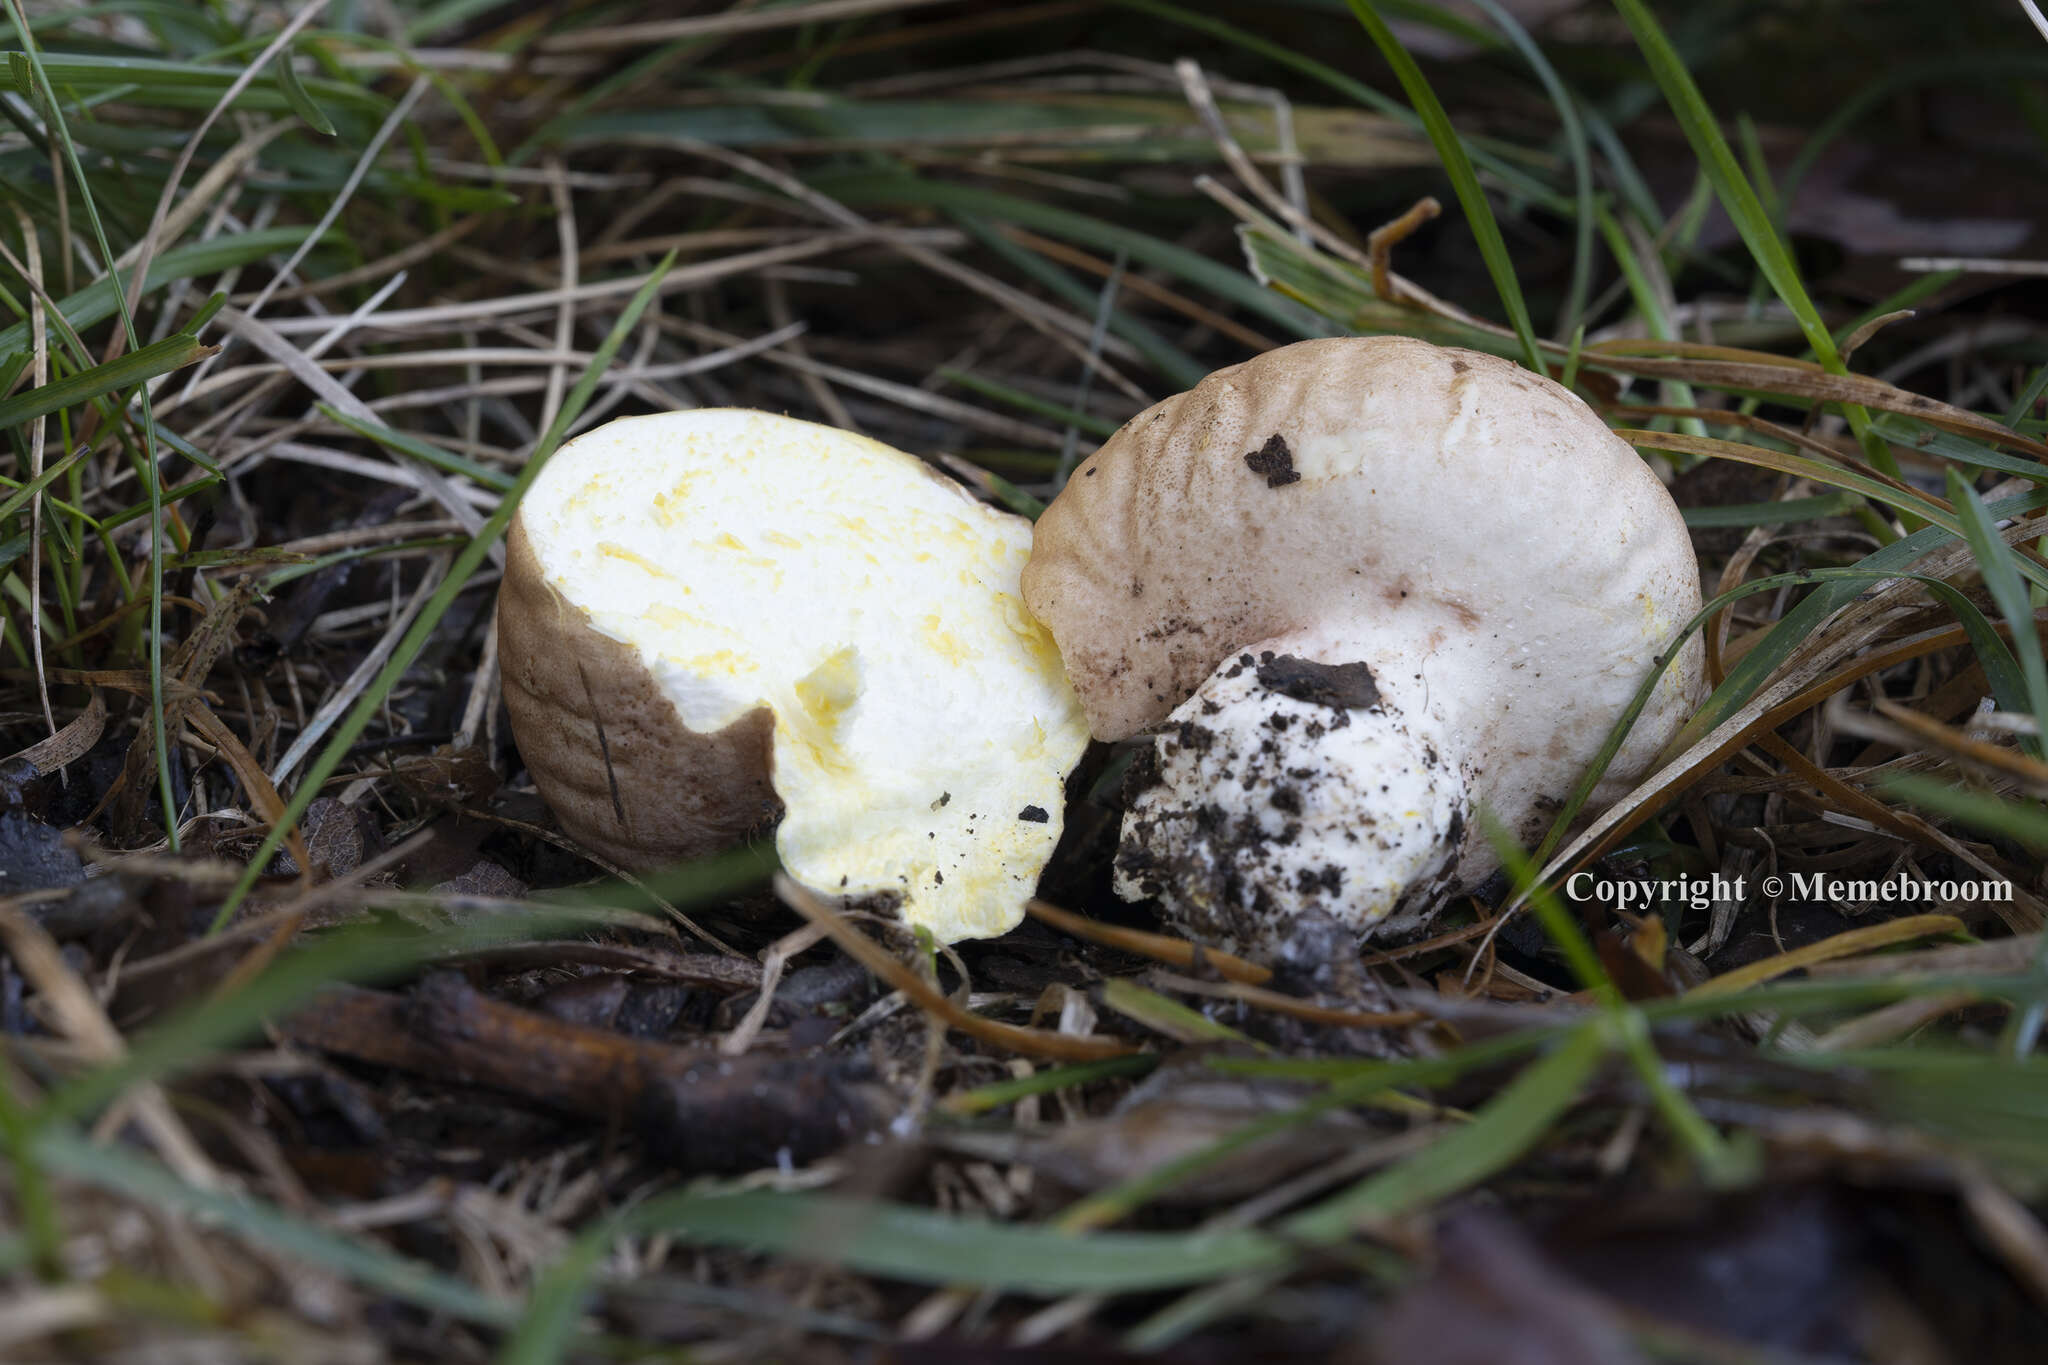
(923, 726)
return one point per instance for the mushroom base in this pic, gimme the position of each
(1287, 785)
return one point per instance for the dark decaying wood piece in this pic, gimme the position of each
(691, 1107)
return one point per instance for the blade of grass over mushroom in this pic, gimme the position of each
(351, 726)
(69, 1154)
(1471, 196)
(2001, 573)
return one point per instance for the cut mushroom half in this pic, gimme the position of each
(718, 621)
(1353, 590)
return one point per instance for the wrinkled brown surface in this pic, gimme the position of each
(626, 778)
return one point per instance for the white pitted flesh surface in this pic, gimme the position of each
(1284, 785)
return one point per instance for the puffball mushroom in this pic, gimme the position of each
(713, 618)
(1355, 589)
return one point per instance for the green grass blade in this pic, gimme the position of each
(2024, 822)
(1177, 365)
(72, 1154)
(375, 952)
(1099, 427)
(1649, 305)
(1748, 514)
(1343, 293)
(21, 495)
(1577, 149)
(135, 367)
(100, 300)
(926, 1247)
(173, 84)
(1515, 178)
(1960, 449)
(45, 96)
(1458, 165)
(1510, 1124)
(295, 94)
(2023, 404)
(1718, 1162)
(868, 188)
(1914, 504)
(1833, 587)
(995, 1095)
(426, 452)
(1737, 195)
(41, 1242)
(1755, 667)
(2008, 592)
(350, 728)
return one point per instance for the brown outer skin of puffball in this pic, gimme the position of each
(1437, 511)
(682, 794)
